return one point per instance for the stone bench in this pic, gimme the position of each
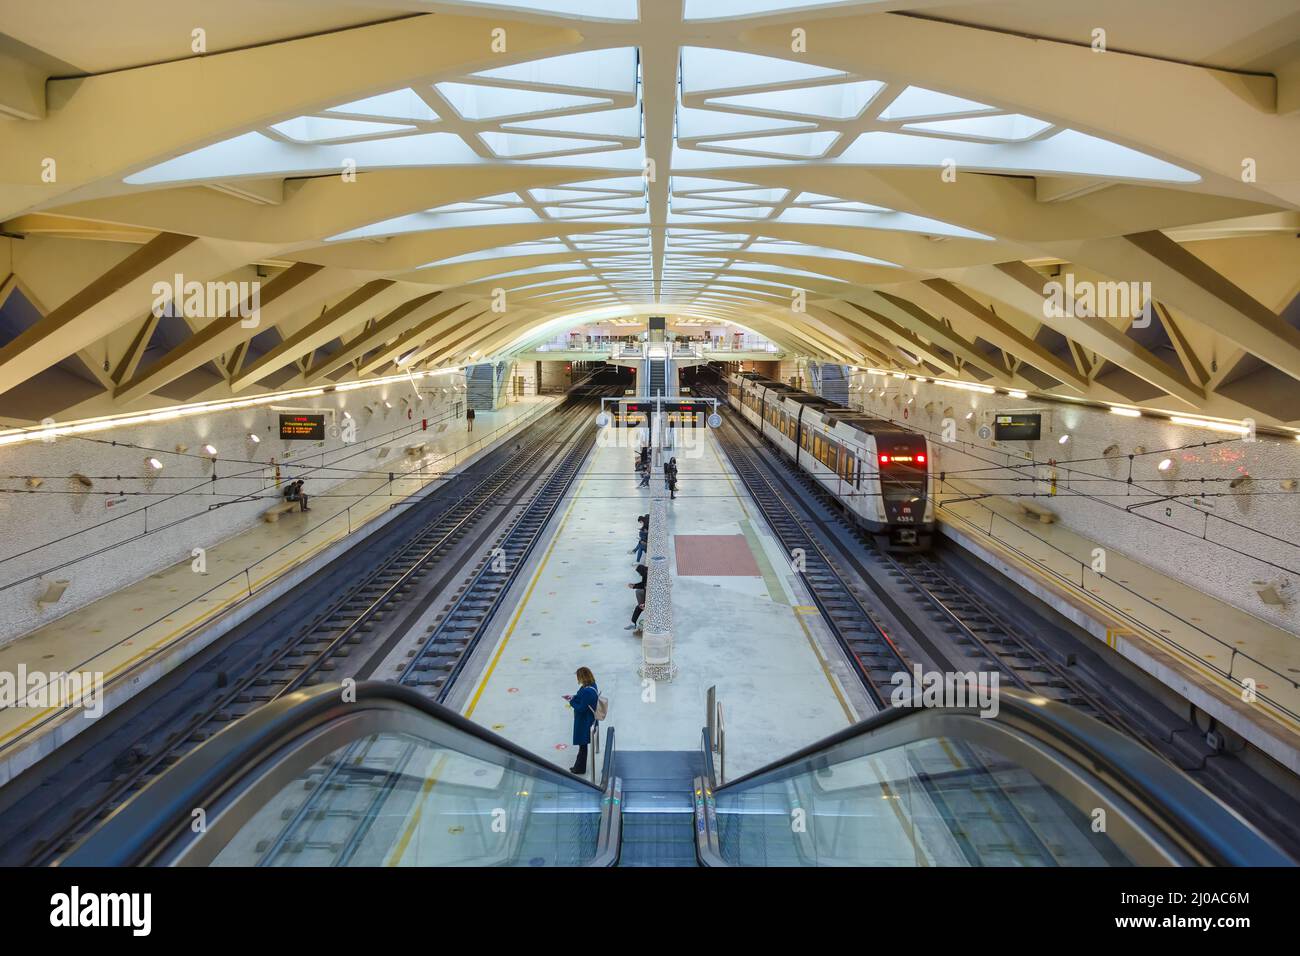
(1031, 510)
(272, 514)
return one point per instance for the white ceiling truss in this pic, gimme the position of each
(912, 183)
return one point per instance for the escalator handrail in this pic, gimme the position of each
(609, 841)
(143, 827)
(710, 768)
(1154, 787)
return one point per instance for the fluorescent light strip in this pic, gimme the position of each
(1126, 412)
(1227, 427)
(15, 436)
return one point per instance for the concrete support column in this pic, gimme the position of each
(657, 637)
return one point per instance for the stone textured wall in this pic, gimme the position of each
(133, 521)
(1220, 540)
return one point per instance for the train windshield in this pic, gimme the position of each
(902, 471)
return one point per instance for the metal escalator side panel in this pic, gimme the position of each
(202, 807)
(949, 775)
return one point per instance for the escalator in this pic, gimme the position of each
(1037, 785)
(386, 777)
(658, 376)
(376, 774)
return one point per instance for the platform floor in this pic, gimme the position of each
(119, 631)
(1186, 623)
(742, 623)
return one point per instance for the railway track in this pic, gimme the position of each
(317, 647)
(345, 794)
(987, 638)
(937, 607)
(873, 654)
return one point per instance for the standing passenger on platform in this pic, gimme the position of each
(469, 419)
(670, 478)
(643, 537)
(640, 605)
(645, 467)
(639, 588)
(584, 715)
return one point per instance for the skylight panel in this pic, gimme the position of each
(1010, 127)
(795, 146)
(1066, 152)
(612, 71)
(837, 101)
(750, 195)
(476, 102)
(561, 194)
(621, 123)
(517, 145)
(916, 102)
(570, 212)
(706, 70)
(834, 202)
(621, 184)
(318, 129)
(695, 123)
(886, 220)
(403, 104)
(255, 154)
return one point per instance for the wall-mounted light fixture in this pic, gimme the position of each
(211, 450)
(1063, 439)
(154, 463)
(254, 439)
(1167, 467)
(1229, 428)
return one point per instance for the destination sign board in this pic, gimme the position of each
(302, 427)
(1017, 427)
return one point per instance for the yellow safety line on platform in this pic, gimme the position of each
(537, 576)
(826, 671)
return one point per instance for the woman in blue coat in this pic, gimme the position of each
(584, 715)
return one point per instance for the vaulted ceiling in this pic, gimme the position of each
(893, 183)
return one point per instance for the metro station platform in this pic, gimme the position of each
(139, 633)
(742, 622)
(1202, 648)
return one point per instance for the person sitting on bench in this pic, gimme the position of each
(293, 492)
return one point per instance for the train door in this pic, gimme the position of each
(798, 434)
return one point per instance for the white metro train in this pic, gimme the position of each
(877, 470)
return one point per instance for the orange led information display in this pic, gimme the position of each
(302, 427)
